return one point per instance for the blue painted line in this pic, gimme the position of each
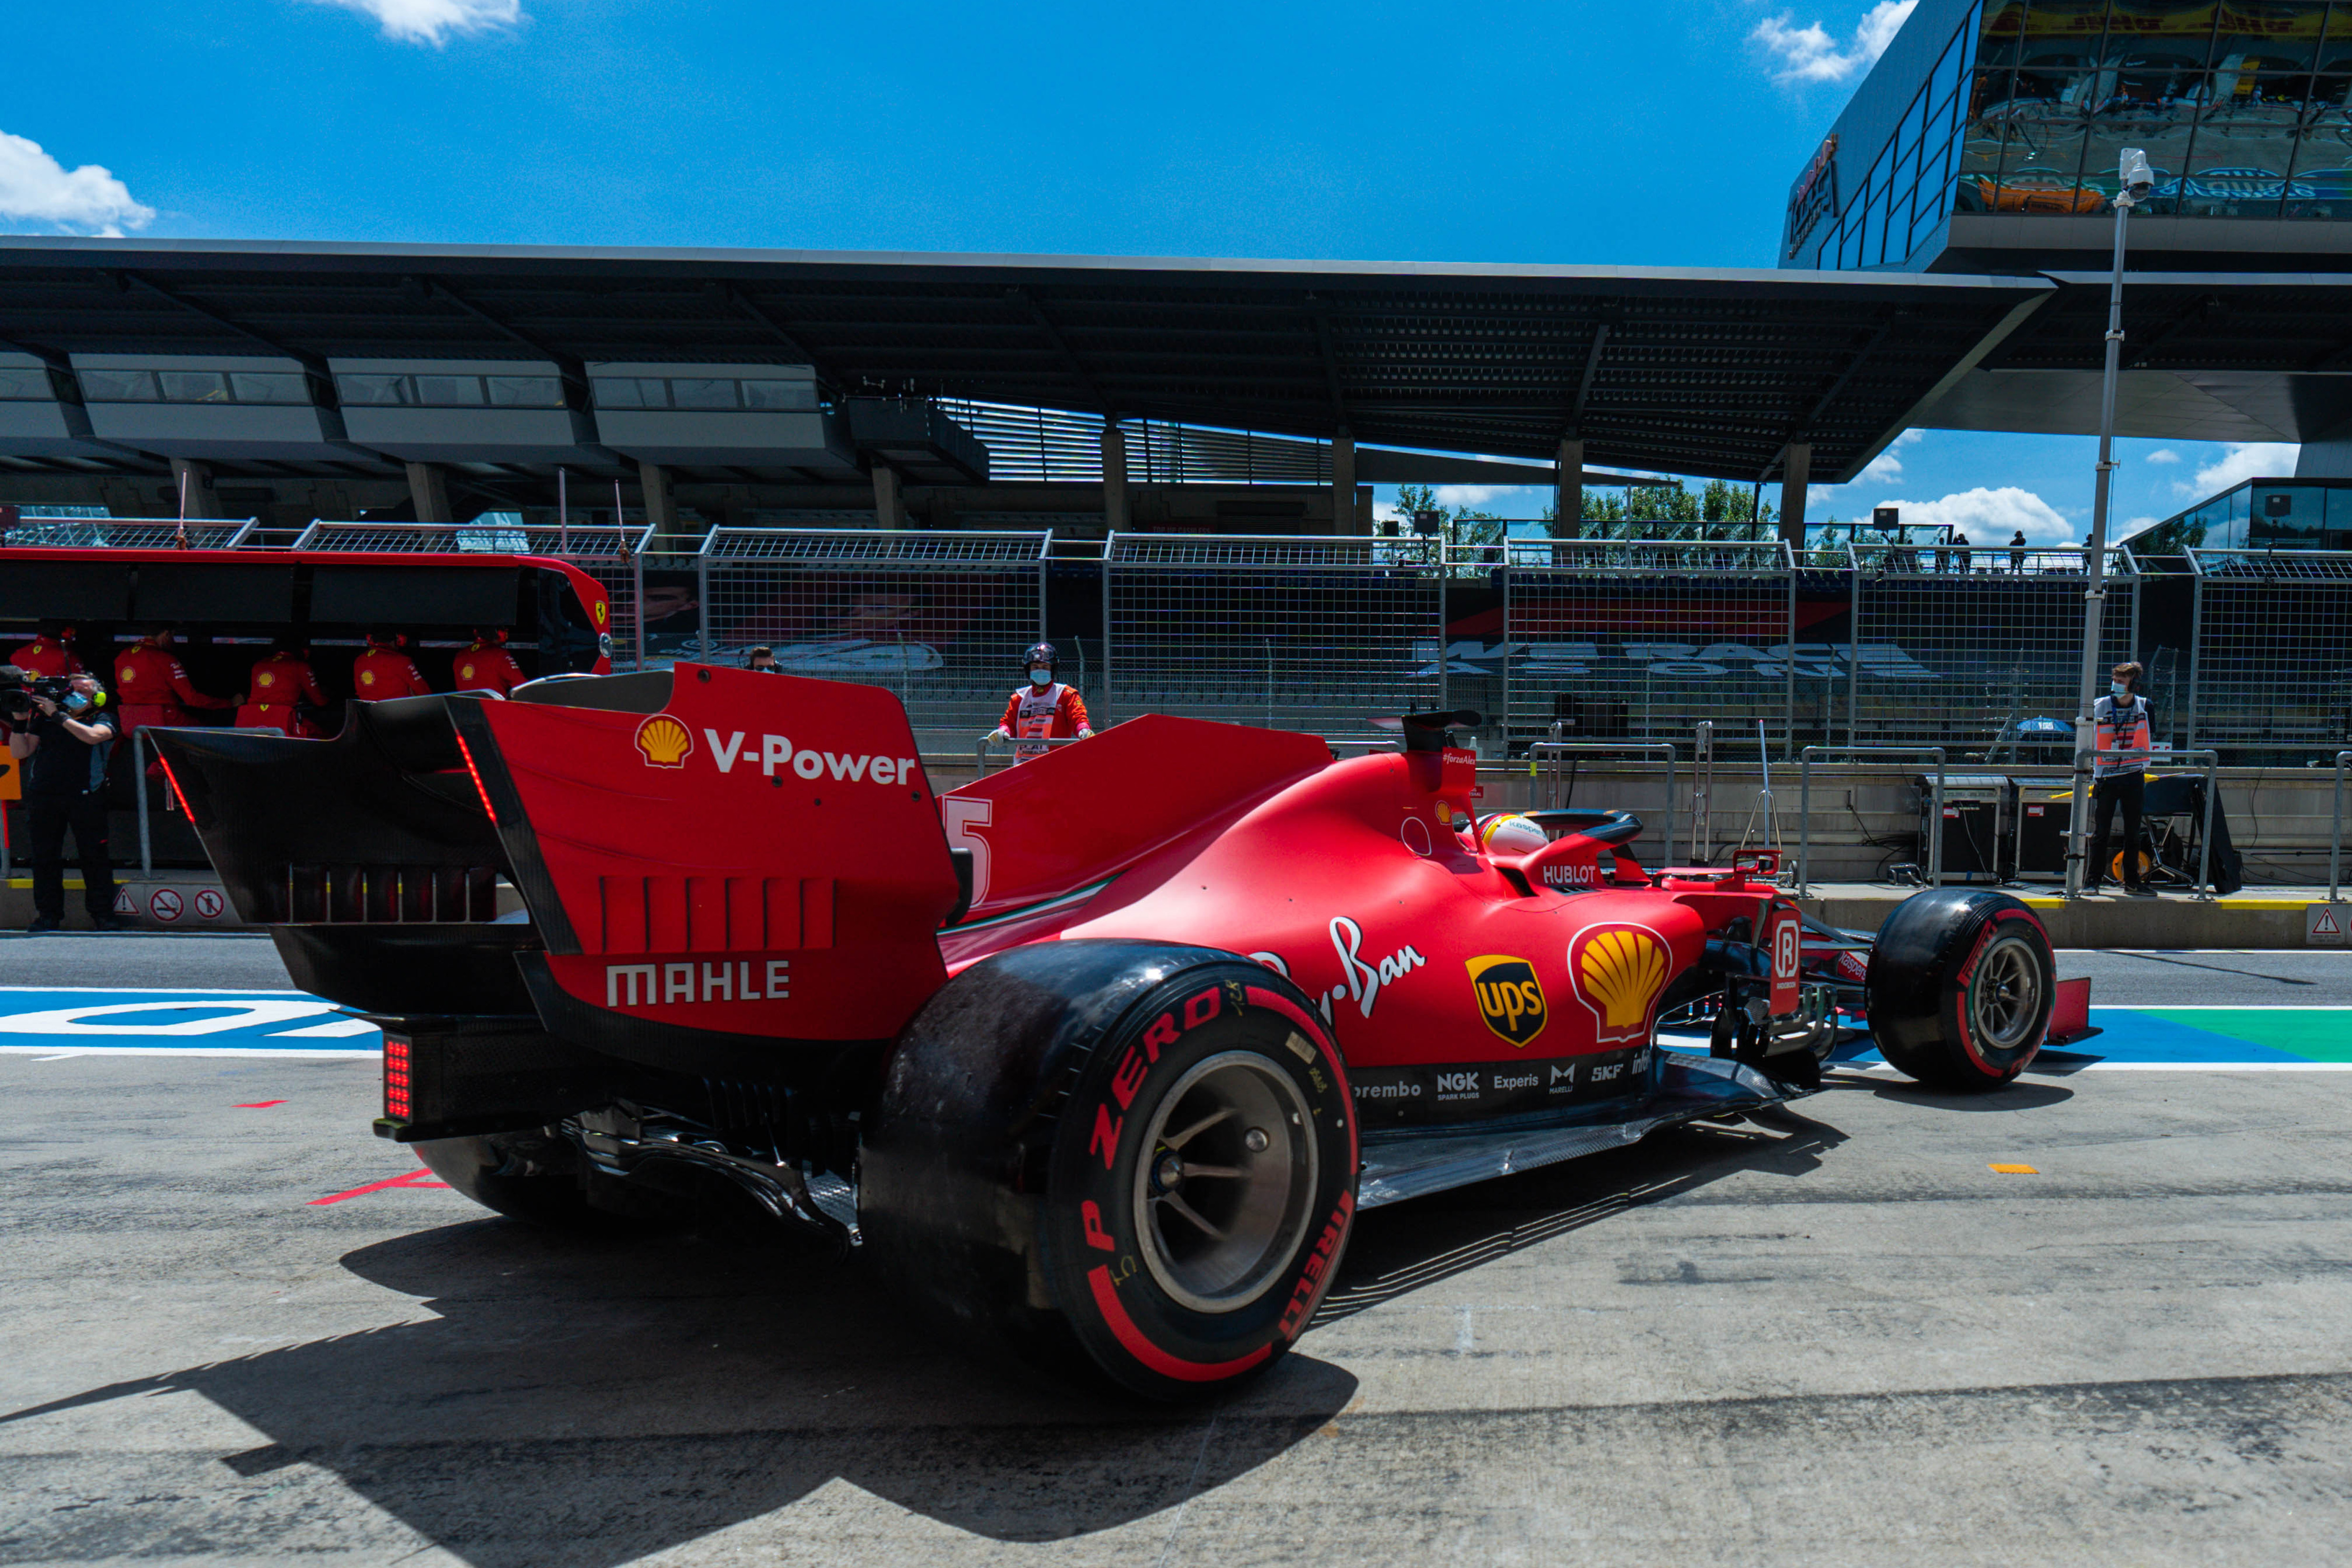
(2128, 1038)
(196, 1022)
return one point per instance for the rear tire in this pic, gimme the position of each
(1960, 985)
(1122, 1157)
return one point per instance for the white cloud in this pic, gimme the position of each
(36, 187)
(432, 21)
(2241, 460)
(1810, 54)
(1887, 466)
(1989, 516)
(2162, 454)
(1475, 497)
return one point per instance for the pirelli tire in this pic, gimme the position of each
(537, 1176)
(1131, 1159)
(1961, 986)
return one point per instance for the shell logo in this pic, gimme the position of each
(367, 677)
(265, 679)
(665, 742)
(1619, 972)
(130, 673)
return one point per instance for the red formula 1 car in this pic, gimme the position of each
(1100, 1055)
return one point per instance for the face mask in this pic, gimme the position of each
(1041, 677)
(76, 701)
(2118, 688)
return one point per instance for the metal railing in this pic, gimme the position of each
(1014, 745)
(1933, 850)
(1559, 750)
(129, 533)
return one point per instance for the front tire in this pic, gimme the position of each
(1129, 1156)
(1961, 986)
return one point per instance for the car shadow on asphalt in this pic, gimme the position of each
(577, 1404)
(1408, 1245)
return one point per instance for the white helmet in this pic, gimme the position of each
(1511, 833)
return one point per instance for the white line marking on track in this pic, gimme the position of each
(349, 1054)
(330, 1029)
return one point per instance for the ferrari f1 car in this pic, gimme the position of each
(1100, 1055)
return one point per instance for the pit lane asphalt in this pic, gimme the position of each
(1840, 1338)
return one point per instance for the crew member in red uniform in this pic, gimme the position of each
(486, 666)
(152, 686)
(383, 672)
(48, 653)
(281, 685)
(1045, 709)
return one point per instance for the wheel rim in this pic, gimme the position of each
(1224, 1182)
(2005, 995)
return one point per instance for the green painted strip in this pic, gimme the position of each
(2315, 1034)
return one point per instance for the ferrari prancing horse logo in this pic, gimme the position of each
(1510, 997)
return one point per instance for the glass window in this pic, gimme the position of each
(194, 386)
(1906, 183)
(2268, 35)
(701, 393)
(2039, 167)
(1998, 36)
(24, 385)
(632, 391)
(1946, 73)
(526, 391)
(119, 386)
(268, 386)
(372, 391)
(2321, 185)
(449, 391)
(1906, 136)
(2339, 519)
(2288, 516)
(2239, 162)
(787, 394)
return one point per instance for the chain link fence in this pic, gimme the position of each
(2271, 666)
(939, 619)
(1976, 648)
(1638, 639)
(1316, 634)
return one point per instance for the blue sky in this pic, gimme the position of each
(1660, 134)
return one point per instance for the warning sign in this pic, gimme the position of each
(208, 903)
(123, 902)
(163, 904)
(2324, 924)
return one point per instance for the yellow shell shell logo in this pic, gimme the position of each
(665, 742)
(266, 679)
(1619, 972)
(367, 677)
(130, 673)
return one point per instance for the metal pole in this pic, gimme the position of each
(2095, 556)
(1853, 647)
(139, 772)
(2205, 838)
(2336, 832)
(1702, 777)
(1110, 549)
(562, 512)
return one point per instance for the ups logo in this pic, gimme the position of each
(1510, 997)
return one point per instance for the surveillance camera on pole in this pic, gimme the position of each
(2135, 180)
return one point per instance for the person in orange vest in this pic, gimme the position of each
(2118, 776)
(486, 666)
(152, 686)
(1045, 709)
(282, 685)
(49, 654)
(385, 672)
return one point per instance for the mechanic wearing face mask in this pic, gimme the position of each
(1045, 709)
(2118, 774)
(63, 748)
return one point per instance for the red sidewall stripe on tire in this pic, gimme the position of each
(1123, 1329)
(1961, 997)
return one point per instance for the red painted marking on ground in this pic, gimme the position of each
(408, 1180)
(258, 1104)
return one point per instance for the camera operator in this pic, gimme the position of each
(62, 747)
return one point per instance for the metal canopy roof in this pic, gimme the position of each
(1681, 371)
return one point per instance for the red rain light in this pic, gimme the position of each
(395, 1078)
(476, 775)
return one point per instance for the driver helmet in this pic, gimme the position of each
(1039, 654)
(1511, 833)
